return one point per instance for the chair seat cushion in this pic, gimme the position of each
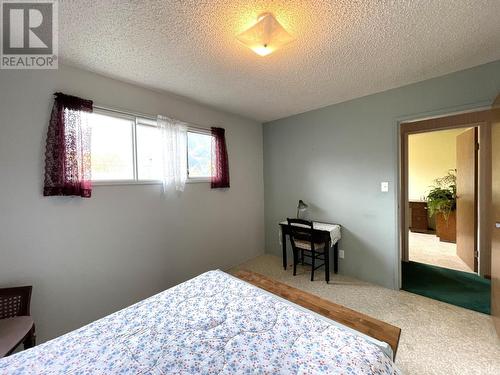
(12, 331)
(307, 245)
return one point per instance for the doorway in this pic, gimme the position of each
(444, 249)
(442, 192)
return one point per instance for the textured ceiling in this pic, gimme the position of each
(343, 49)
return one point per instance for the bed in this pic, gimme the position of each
(214, 323)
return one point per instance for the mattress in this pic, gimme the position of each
(211, 324)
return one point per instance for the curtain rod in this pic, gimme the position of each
(146, 116)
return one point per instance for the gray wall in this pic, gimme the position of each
(334, 158)
(89, 257)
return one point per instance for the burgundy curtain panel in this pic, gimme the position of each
(67, 153)
(220, 176)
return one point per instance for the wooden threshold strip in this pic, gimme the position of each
(360, 322)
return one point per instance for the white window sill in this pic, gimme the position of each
(148, 182)
(125, 182)
(198, 180)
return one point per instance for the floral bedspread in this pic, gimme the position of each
(212, 324)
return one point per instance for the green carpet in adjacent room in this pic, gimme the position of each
(456, 287)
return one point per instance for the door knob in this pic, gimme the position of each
(497, 225)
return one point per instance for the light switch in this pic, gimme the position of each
(384, 187)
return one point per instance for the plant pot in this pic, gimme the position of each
(446, 227)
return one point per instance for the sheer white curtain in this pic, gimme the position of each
(173, 135)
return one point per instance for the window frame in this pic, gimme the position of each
(194, 180)
(139, 119)
(136, 120)
(144, 122)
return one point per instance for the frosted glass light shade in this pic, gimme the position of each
(266, 36)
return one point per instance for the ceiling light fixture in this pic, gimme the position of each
(266, 36)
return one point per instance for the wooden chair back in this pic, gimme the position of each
(302, 230)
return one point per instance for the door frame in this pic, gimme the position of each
(479, 118)
(495, 256)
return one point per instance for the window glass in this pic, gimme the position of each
(199, 155)
(128, 148)
(148, 152)
(112, 147)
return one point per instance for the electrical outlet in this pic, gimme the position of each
(341, 254)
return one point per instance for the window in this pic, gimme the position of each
(124, 148)
(199, 155)
(127, 149)
(149, 155)
(112, 148)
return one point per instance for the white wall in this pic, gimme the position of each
(89, 257)
(430, 156)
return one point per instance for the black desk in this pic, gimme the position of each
(321, 232)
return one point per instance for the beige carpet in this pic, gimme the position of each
(437, 338)
(426, 248)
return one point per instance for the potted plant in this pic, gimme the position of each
(442, 204)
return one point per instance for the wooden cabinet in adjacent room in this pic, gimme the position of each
(419, 221)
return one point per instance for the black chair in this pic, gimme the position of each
(16, 324)
(309, 243)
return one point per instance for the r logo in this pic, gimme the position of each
(27, 28)
(29, 34)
